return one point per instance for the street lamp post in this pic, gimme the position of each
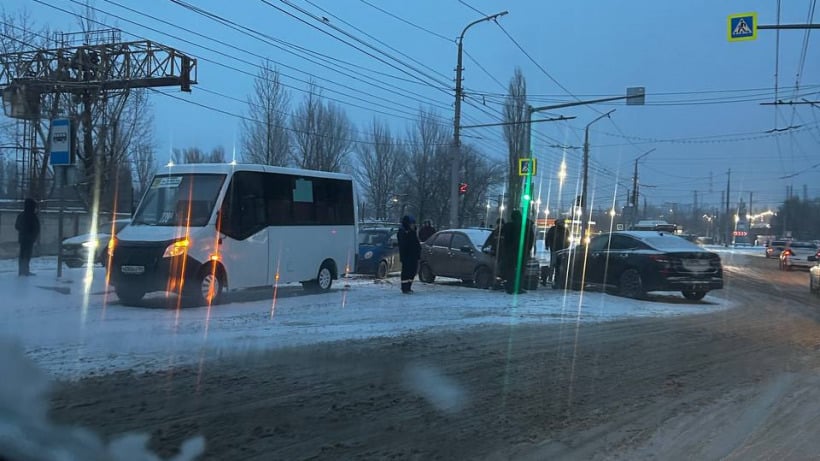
(457, 123)
(586, 173)
(635, 187)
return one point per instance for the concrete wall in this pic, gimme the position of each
(75, 222)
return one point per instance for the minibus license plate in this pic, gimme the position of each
(133, 270)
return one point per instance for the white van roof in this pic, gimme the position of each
(213, 168)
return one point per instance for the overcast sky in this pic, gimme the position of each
(703, 114)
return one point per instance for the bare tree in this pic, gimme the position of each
(481, 175)
(322, 134)
(427, 178)
(18, 32)
(197, 155)
(381, 161)
(217, 155)
(264, 133)
(145, 164)
(515, 133)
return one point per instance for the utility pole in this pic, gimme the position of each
(635, 193)
(584, 178)
(728, 216)
(751, 211)
(457, 123)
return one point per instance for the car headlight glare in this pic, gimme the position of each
(368, 255)
(91, 244)
(177, 248)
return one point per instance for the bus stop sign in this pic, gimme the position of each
(60, 142)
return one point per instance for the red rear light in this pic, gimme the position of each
(787, 252)
(663, 260)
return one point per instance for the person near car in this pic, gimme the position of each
(555, 241)
(426, 231)
(511, 247)
(492, 246)
(409, 253)
(28, 230)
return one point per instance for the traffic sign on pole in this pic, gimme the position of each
(526, 167)
(742, 27)
(60, 142)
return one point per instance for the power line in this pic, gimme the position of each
(326, 61)
(376, 39)
(221, 64)
(377, 50)
(410, 23)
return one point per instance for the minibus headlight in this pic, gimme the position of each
(177, 248)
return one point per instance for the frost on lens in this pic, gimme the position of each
(26, 434)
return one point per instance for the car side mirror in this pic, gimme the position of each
(466, 249)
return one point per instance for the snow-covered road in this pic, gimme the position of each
(74, 334)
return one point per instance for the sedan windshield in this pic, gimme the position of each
(180, 200)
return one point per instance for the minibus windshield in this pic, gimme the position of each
(180, 200)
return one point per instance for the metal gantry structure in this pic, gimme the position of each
(81, 71)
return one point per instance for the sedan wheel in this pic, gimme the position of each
(631, 284)
(381, 270)
(693, 295)
(426, 274)
(483, 278)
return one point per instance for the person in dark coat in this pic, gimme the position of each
(555, 240)
(492, 246)
(510, 249)
(28, 230)
(426, 231)
(409, 253)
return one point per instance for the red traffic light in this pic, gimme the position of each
(462, 188)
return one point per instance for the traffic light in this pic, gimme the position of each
(462, 188)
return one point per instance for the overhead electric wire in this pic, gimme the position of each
(284, 46)
(368, 53)
(410, 23)
(407, 115)
(381, 42)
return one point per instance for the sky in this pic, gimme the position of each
(702, 115)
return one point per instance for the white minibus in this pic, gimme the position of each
(201, 229)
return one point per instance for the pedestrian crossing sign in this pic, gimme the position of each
(742, 27)
(526, 167)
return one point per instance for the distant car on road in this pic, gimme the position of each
(774, 248)
(75, 249)
(798, 254)
(378, 251)
(637, 262)
(458, 253)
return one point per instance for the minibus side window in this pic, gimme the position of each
(243, 209)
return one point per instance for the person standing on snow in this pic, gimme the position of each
(28, 230)
(555, 241)
(426, 231)
(409, 253)
(511, 245)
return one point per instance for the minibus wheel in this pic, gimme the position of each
(208, 287)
